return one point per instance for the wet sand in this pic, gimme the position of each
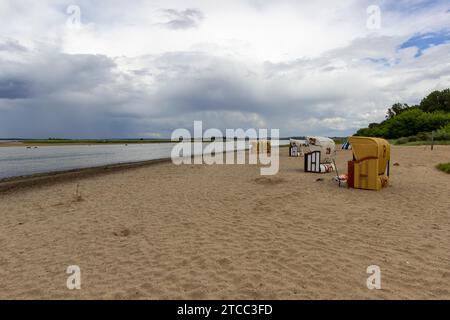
(224, 232)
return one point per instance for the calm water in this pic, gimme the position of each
(20, 161)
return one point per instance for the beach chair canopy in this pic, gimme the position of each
(325, 145)
(297, 143)
(371, 148)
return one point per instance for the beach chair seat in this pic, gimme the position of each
(312, 162)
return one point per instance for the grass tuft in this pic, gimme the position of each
(444, 167)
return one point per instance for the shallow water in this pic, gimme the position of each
(21, 161)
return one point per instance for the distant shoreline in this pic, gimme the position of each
(37, 143)
(46, 143)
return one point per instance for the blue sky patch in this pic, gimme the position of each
(425, 41)
(408, 6)
(384, 61)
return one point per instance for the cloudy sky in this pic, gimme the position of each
(123, 69)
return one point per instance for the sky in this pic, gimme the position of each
(141, 69)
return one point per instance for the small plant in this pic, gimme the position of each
(444, 167)
(78, 196)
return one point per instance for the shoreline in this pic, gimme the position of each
(47, 178)
(24, 181)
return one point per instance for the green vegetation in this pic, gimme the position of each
(441, 136)
(418, 142)
(339, 140)
(415, 122)
(436, 101)
(444, 167)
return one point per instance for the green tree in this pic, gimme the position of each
(436, 101)
(396, 109)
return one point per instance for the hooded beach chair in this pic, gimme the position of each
(369, 168)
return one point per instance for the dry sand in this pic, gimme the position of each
(225, 232)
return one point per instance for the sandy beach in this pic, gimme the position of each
(224, 232)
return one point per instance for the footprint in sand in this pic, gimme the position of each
(269, 181)
(122, 232)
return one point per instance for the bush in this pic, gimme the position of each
(441, 136)
(402, 140)
(444, 167)
(446, 128)
(444, 132)
(423, 136)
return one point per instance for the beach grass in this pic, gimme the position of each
(444, 167)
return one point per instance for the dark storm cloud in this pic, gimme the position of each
(67, 96)
(207, 94)
(15, 89)
(84, 73)
(89, 96)
(182, 19)
(55, 72)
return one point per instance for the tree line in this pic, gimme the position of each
(402, 120)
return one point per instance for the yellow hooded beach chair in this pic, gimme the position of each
(370, 166)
